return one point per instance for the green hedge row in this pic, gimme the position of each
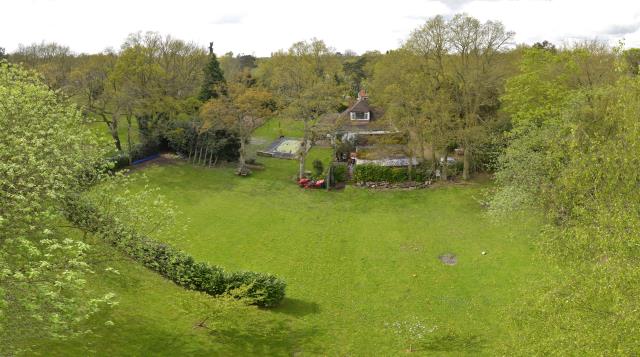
(377, 173)
(261, 289)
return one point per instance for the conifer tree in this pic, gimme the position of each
(214, 81)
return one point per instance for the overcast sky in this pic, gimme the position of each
(261, 27)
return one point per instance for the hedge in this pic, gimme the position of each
(261, 289)
(377, 173)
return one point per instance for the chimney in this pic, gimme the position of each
(362, 95)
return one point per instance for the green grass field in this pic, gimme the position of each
(354, 260)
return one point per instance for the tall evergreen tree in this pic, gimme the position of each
(214, 81)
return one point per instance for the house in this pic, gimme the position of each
(362, 119)
(362, 136)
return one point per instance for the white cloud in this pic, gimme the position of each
(261, 27)
(229, 19)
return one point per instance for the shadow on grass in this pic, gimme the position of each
(452, 341)
(277, 338)
(297, 307)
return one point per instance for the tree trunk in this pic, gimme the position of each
(303, 152)
(129, 136)
(443, 175)
(206, 155)
(302, 159)
(434, 162)
(114, 131)
(192, 149)
(467, 163)
(410, 166)
(200, 155)
(241, 159)
(112, 124)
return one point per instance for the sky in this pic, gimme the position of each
(260, 27)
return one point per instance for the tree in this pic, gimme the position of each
(52, 60)
(545, 45)
(414, 86)
(306, 81)
(3, 54)
(312, 103)
(47, 155)
(574, 123)
(476, 75)
(213, 83)
(592, 234)
(401, 87)
(241, 111)
(536, 101)
(98, 90)
(632, 59)
(160, 78)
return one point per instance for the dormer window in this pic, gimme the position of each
(360, 115)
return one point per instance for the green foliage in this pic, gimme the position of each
(214, 81)
(318, 168)
(45, 154)
(632, 59)
(569, 158)
(340, 173)
(175, 265)
(377, 173)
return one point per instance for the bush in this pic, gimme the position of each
(376, 173)
(318, 168)
(119, 161)
(261, 289)
(455, 168)
(340, 173)
(140, 151)
(424, 171)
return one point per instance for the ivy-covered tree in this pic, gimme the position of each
(214, 82)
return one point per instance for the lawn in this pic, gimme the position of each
(102, 130)
(355, 261)
(280, 126)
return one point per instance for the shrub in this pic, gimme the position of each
(455, 168)
(424, 171)
(120, 161)
(318, 167)
(376, 173)
(261, 289)
(339, 173)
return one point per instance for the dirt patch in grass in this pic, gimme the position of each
(448, 259)
(163, 159)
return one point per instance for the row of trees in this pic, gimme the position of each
(441, 88)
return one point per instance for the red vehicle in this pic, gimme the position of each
(308, 183)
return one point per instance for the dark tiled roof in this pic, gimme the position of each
(342, 121)
(361, 106)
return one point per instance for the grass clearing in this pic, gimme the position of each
(355, 261)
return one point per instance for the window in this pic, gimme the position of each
(359, 115)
